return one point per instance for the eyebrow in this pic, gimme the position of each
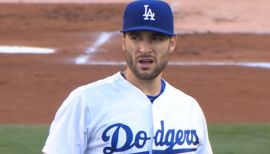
(159, 34)
(133, 33)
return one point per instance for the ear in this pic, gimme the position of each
(172, 46)
(123, 42)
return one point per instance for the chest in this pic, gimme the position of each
(132, 126)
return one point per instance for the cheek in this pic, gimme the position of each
(164, 54)
(129, 44)
(130, 50)
(129, 55)
(164, 57)
(163, 49)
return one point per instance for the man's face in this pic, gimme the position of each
(147, 53)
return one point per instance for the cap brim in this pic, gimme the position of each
(148, 28)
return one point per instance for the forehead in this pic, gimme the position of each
(147, 33)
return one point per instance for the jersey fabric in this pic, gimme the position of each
(113, 116)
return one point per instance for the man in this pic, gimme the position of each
(134, 111)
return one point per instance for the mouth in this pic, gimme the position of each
(145, 63)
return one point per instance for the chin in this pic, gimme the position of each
(146, 75)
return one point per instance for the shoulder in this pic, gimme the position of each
(82, 96)
(178, 93)
(182, 97)
(99, 92)
(101, 85)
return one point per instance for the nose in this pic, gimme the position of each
(145, 47)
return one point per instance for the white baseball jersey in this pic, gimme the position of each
(113, 116)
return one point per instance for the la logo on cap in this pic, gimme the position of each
(148, 13)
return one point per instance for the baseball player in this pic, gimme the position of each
(135, 110)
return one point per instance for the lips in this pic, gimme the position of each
(145, 63)
(145, 59)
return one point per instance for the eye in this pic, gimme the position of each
(135, 37)
(159, 37)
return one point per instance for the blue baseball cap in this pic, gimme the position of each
(149, 15)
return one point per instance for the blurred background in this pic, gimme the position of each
(50, 47)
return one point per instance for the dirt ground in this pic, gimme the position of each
(32, 87)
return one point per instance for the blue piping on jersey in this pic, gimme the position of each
(153, 98)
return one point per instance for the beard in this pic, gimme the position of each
(146, 74)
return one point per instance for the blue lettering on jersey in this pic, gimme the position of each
(161, 138)
(140, 139)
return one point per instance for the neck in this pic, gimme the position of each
(148, 87)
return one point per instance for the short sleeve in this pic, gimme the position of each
(68, 131)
